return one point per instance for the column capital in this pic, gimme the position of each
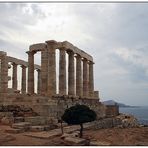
(84, 60)
(30, 52)
(91, 62)
(13, 63)
(70, 52)
(23, 66)
(78, 56)
(9, 66)
(62, 48)
(38, 70)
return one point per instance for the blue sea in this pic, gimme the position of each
(141, 113)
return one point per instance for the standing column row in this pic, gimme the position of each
(47, 76)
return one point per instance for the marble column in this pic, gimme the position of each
(62, 72)
(85, 78)
(3, 75)
(44, 71)
(51, 90)
(71, 82)
(78, 76)
(23, 84)
(39, 81)
(14, 76)
(30, 72)
(91, 79)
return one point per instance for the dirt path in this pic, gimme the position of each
(118, 136)
(113, 136)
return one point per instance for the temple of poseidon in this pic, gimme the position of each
(75, 85)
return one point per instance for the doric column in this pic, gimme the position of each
(71, 84)
(39, 81)
(91, 79)
(51, 90)
(62, 72)
(14, 76)
(78, 76)
(30, 72)
(44, 71)
(23, 84)
(3, 75)
(85, 78)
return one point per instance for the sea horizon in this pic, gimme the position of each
(140, 112)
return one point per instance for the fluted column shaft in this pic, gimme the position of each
(23, 84)
(91, 79)
(3, 75)
(62, 72)
(85, 78)
(71, 84)
(39, 81)
(14, 76)
(44, 71)
(31, 72)
(51, 70)
(78, 76)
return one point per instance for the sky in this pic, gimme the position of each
(115, 34)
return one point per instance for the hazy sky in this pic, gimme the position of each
(115, 34)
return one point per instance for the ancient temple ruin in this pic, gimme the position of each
(76, 87)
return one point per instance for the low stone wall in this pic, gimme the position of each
(122, 121)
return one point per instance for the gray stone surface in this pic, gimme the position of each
(21, 125)
(75, 140)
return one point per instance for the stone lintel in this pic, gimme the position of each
(37, 47)
(76, 50)
(21, 62)
(68, 46)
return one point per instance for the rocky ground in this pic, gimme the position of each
(111, 136)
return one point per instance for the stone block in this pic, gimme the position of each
(76, 140)
(18, 119)
(37, 120)
(36, 128)
(14, 131)
(21, 125)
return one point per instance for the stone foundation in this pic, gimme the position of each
(26, 106)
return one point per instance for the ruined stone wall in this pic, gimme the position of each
(120, 121)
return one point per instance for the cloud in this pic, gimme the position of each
(115, 34)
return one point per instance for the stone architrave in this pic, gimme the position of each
(91, 79)
(3, 75)
(71, 82)
(44, 71)
(39, 81)
(30, 72)
(85, 78)
(14, 76)
(78, 76)
(51, 90)
(23, 84)
(62, 72)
